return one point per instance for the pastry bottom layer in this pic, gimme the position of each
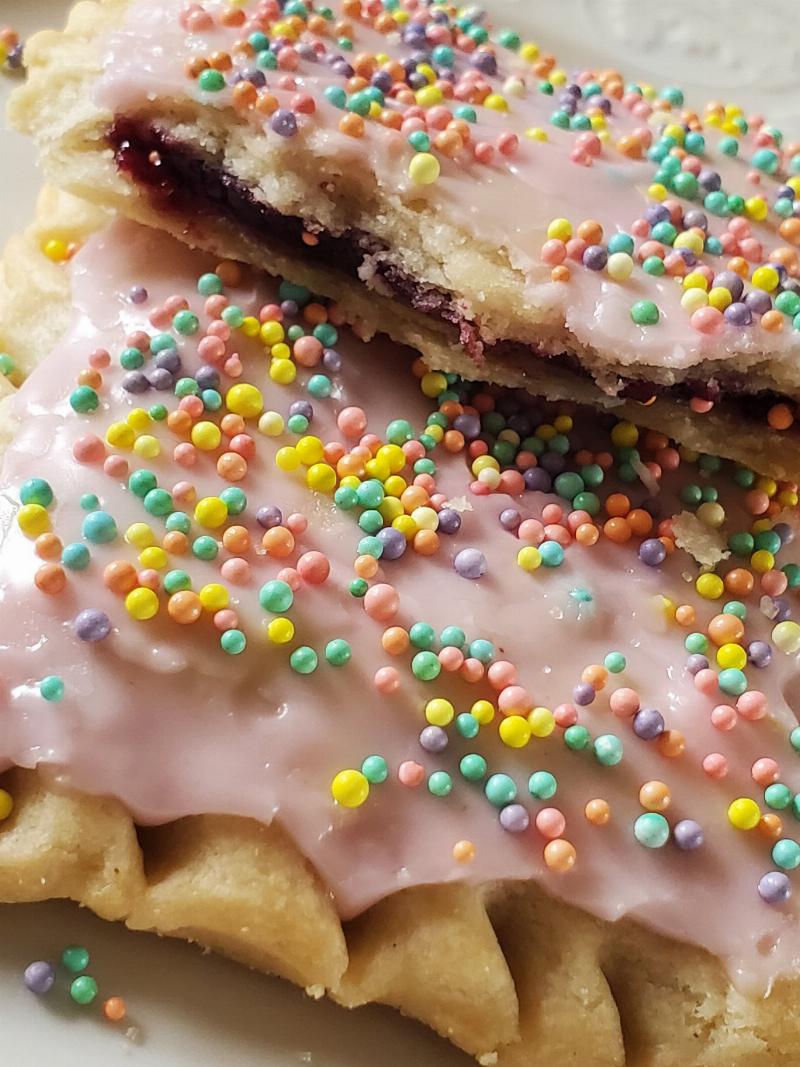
(503, 971)
(181, 183)
(506, 973)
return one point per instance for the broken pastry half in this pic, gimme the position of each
(451, 186)
(395, 685)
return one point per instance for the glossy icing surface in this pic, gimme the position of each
(158, 715)
(510, 201)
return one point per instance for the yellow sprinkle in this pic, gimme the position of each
(439, 712)
(211, 512)
(515, 731)
(140, 535)
(483, 711)
(141, 604)
(57, 251)
(424, 168)
(33, 520)
(536, 133)
(350, 788)
(147, 446)
(710, 586)
(280, 631)
(542, 722)
(744, 814)
(120, 435)
(213, 597)
(245, 400)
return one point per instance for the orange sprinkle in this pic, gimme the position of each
(395, 641)
(617, 530)
(352, 125)
(115, 1009)
(560, 274)
(279, 542)
(671, 744)
(640, 521)
(597, 811)
(50, 579)
(48, 546)
(120, 577)
(617, 505)
(426, 542)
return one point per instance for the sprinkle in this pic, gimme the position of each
(39, 977)
(350, 788)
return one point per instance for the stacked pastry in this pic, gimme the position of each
(458, 673)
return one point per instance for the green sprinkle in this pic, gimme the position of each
(482, 650)
(615, 662)
(500, 790)
(426, 666)
(158, 502)
(276, 596)
(131, 358)
(209, 284)
(76, 557)
(467, 725)
(338, 652)
(83, 990)
(651, 830)
(211, 81)
(180, 521)
(75, 958)
(375, 770)
(473, 767)
(440, 784)
(422, 635)
(778, 796)
(542, 785)
(52, 688)
(36, 491)
(235, 499)
(233, 642)
(696, 643)
(645, 313)
(359, 587)
(205, 547)
(186, 322)
(608, 750)
(90, 502)
(786, 854)
(84, 400)
(452, 637)
(176, 581)
(303, 660)
(141, 482)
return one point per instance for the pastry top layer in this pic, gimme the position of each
(658, 237)
(252, 565)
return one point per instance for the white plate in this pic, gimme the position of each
(186, 1008)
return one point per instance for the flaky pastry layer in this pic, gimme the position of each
(58, 108)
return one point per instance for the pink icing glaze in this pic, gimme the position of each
(509, 202)
(157, 715)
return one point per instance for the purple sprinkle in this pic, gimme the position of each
(283, 122)
(552, 463)
(433, 739)
(39, 977)
(758, 301)
(268, 516)
(255, 77)
(687, 255)
(784, 531)
(137, 294)
(169, 359)
(306, 51)
(738, 314)
(759, 654)
(331, 360)
(775, 888)
(709, 179)
(730, 280)
(289, 309)
(595, 257)
(416, 81)
(302, 407)
(485, 62)
(469, 425)
(382, 80)
(514, 818)
(785, 192)
(393, 541)
(16, 57)
(782, 608)
(694, 217)
(652, 552)
(538, 480)
(656, 213)
(160, 378)
(648, 724)
(510, 518)
(207, 377)
(135, 382)
(583, 694)
(688, 835)
(91, 625)
(449, 521)
(470, 563)
(696, 663)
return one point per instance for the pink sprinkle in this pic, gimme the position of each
(159, 318)
(502, 673)
(640, 228)
(313, 567)
(507, 143)
(211, 349)
(624, 702)
(708, 320)
(89, 449)
(387, 680)
(184, 492)
(193, 405)
(532, 531)
(553, 252)
(552, 513)
(100, 359)
(715, 765)
(752, 705)
(576, 246)
(511, 483)
(774, 583)
(233, 366)
(550, 823)
(752, 250)
(214, 306)
(451, 659)
(381, 602)
(565, 715)
(472, 670)
(723, 717)
(352, 421)
(185, 454)
(514, 699)
(174, 304)
(236, 571)
(700, 406)
(226, 619)
(413, 450)
(555, 532)
(438, 117)
(291, 577)
(705, 681)
(480, 488)
(483, 152)
(410, 773)
(765, 771)
(244, 445)
(149, 578)
(116, 466)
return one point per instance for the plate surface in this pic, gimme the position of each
(187, 1008)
